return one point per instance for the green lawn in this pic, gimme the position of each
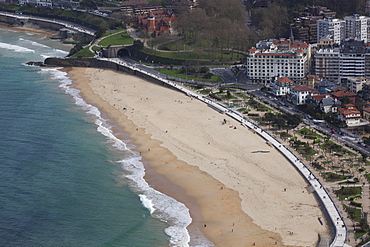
(205, 91)
(111, 32)
(333, 177)
(306, 151)
(330, 146)
(307, 133)
(257, 105)
(200, 55)
(121, 38)
(349, 192)
(242, 95)
(177, 73)
(85, 52)
(354, 213)
(360, 233)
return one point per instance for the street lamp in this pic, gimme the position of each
(186, 72)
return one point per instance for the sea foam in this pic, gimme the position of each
(34, 43)
(15, 48)
(160, 206)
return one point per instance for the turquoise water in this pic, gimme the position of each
(64, 180)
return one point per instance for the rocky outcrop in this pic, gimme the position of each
(41, 64)
(84, 62)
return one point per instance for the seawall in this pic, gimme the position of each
(96, 63)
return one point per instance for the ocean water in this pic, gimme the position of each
(65, 180)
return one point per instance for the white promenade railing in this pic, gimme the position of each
(332, 211)
(66, 24)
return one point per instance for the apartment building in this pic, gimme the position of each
(355, 84)
(350, 59)
(304, 27)
(331, 26)
(356, 27)
(263, 65)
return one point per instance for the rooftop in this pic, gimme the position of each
(302, 88)
(284, 79)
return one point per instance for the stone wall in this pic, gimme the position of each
(96, 63)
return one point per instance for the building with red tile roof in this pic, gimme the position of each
(156, 22)
(339, 95)
(316, 98)
(281, 86)
(349, 115)
(300, 45)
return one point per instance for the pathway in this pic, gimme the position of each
(97, 41)
(66, 24)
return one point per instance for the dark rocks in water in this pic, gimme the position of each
(41, 64)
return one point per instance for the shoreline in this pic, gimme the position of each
(148, 148)
(47, 33)
(233, 225)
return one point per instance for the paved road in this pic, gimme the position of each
(66, 24)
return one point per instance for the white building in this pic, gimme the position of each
(281, 86)
(351, 116)
(335, 28)
(264, 65)
(299, 95)
(356, 27)
(355, 84)
(43, 3)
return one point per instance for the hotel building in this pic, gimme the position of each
(264, 65)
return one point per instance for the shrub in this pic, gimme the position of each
(356, 204)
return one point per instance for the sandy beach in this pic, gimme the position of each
(47, 33)
(236, 197)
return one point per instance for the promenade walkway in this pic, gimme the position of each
(323, 196)
(66, 24)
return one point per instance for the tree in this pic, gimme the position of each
(204, 70)
(280, 122)
(345, 100)
(270, 21)
(228, 94)
(88, 4)
(364, 157)
(293, 120)
(217, 24)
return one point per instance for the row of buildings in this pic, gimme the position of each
(317, 22)
(356, 26)
(69, 4)
(329, 100)
(297, 60)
